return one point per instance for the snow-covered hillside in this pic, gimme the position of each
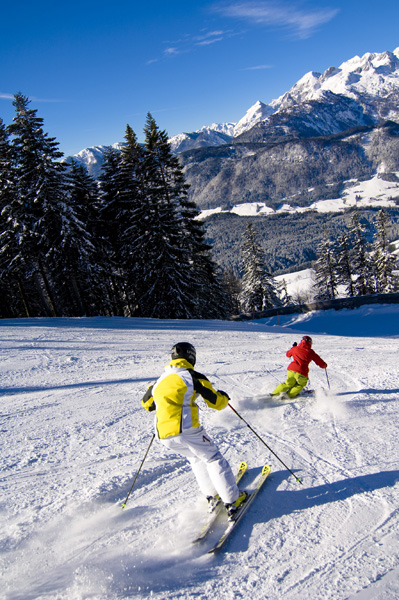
(376, 192)
(74, 434)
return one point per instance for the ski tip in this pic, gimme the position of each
(214, 551)
(123, 506)
(197, 540)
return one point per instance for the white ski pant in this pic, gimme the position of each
(211, 469)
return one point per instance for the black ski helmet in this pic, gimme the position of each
(184, 350)
(307, 338)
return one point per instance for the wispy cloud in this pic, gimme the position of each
(189, 42)
(299, 21)
(171, 51)
(290, 15)
(258, 68)
(210, 37)
(204, 38)
(31, 98)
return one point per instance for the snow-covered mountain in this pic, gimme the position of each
(258, 112)
(92, 158)
(372, 80)
(214, 135)
(361, 91)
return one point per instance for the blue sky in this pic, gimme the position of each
(90, 67)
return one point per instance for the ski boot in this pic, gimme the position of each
(233, 507)
(213, 501)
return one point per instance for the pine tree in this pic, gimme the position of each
(361, 263)
(283, 293)
(326, 270)
(80, 275)
(6, 173)
(232, 284)
(108, 226)
(209, 285)
(133, 218)
(344, 267)
(258, 287)
(167, 280)
(12, 300)
(386, 280)
(36, 211)
(108, 231)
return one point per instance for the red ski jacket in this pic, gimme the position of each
(303, 355)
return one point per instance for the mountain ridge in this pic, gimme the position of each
(369, 83)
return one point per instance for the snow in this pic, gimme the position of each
(256, 113)
(226, 128)
(251, 209)
(298, 283)
(209, 212)
(74, 435)
(374, 74)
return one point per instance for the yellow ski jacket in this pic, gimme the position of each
(173, 397)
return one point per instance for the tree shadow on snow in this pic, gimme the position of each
(9, 391)
(368, 391)
(273, 504)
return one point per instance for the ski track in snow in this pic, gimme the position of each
(74, 434)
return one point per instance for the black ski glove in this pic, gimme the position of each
(224, 393)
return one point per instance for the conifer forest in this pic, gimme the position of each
(127, 245)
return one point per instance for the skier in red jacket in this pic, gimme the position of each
(298, 369)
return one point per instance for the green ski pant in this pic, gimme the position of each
(294, 383)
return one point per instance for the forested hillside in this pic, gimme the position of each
(290, 241)
(296, 171)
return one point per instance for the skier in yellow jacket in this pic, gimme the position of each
(178, 428)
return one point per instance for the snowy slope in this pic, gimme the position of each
(73, 435)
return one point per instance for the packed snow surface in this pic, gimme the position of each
(74, 434)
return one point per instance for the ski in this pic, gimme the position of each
(218, 508)
(241, 512)
(284, 398)
(312, 392)
(307, 392)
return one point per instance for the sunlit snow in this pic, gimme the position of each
(74, 434)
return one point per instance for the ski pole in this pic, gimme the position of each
(270, 373)
(263, 442)
(137, 474)
(328, 382)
